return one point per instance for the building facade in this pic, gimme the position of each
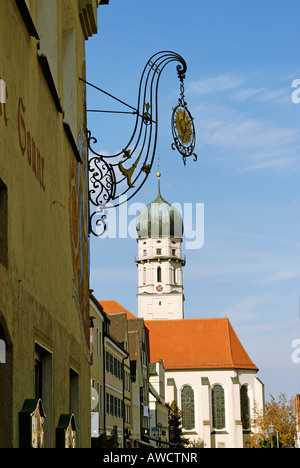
(207, 370)
(119, 332)
(125, 326)
(211, 377)
(159, 411)
(44, 280)
(100, 325)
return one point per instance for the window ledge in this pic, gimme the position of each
(219, 432)
(25, 13)
(43, 61)
(72, 141)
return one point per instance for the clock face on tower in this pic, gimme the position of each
(159, 288)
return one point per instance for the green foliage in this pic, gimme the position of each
(175, 426)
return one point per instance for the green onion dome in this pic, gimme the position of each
(159, 219)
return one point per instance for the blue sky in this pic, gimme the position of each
(242, 58)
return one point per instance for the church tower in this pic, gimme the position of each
(160, 284)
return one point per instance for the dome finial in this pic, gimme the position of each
(158, 175)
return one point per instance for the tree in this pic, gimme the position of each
(281, 413)
(175, 426)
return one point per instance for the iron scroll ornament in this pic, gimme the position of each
(115, 179)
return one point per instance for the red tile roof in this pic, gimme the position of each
(113, 307)
(196, 344)
(191, 343)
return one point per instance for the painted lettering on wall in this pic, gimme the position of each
(27, 143)
(28, 146)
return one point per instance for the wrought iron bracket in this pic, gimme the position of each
(120, 176)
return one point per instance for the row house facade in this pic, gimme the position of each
(44, 253)
(129, 410)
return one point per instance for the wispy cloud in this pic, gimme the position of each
(243, 310)
(282, 276)
(254, 143)
(241, 123)
(244, 94)
(262, 94)
(215, 84)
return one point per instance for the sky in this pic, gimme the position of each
(242, 65)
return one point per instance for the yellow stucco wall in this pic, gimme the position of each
(44, 290)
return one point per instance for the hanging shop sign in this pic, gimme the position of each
(115, 179)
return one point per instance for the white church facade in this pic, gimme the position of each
(207, 370)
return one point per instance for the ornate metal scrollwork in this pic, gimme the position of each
(112, 178)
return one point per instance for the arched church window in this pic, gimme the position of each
(144, 275)
(245, 407)
(159, 274)
(188, 407)
(218, 407)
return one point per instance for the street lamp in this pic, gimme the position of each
(271, 429)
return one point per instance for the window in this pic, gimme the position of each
(100, 399)
(144, 253)
(44, 387)
(144, 276)
(158, 251)
(113, 365)
(175, 275)
(159, 275)
(2, 352)
(2, 92)
(107, 399)
(99, 342)
(38, 372)
(188, 407)
(174, 252)
(245, 407)
(114, 406)
(218, 407)
(127, 414)
(3, 225)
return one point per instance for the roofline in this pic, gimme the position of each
(212, 367)
(116, 344)
(97, 304)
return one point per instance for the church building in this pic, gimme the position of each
(207, 370)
